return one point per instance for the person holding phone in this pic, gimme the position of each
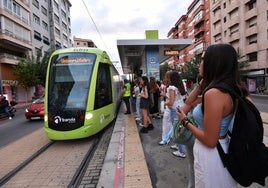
(174, 97)
(213, 116)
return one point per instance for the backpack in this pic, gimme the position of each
(247, 158)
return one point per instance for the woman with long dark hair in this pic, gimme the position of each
(144, 105)
(213, 116)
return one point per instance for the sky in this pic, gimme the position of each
(106, 21)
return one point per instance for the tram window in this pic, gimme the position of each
(103, 93)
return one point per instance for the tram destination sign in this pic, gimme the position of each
(171, 52)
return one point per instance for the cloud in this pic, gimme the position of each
(105, 21)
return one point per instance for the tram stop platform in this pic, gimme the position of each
(136, 160)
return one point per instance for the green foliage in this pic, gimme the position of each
(26, 73)
(190, 70)
(31, 71)
(41, 67)
(163, 69)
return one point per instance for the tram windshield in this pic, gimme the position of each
(69, 80)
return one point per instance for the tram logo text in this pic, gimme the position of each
(58, 119)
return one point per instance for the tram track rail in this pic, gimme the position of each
(77, 178)
(61, 163)
(13, 172)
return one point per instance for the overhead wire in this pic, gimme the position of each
(95, 25)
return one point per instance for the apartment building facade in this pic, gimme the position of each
(80, 42)
(15, 41)
(26, 27)
(244, 25)
(193, 25)
(51, 25)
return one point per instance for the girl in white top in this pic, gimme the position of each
(174, 98)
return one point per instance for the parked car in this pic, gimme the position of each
(36, 110)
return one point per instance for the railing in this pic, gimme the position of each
(11, 34)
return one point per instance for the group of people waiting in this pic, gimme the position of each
(211, 108)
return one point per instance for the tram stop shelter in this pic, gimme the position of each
(144, 56)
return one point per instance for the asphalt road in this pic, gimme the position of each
(11, 130)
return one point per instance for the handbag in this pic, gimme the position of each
(181, 134)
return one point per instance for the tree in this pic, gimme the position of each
(190, 70)
(31, 71)
(163, 69)
(26, 74)
(41, 67)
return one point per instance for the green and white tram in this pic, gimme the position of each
(82, 95)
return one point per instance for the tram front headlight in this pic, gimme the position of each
(89, 115)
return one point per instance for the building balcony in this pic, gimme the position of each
(234, 36)
(233, 21)
(216, 31)
(235, 4)
(251, 13)
(215, 5)
(252, 30)
(9, 59)
(14, 40)
(251, 48)
(246, 1)
(199, 22)
(199, 30)
(215, 18)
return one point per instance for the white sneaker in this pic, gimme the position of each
(137, 119)
(179, 154)
(175, 147)
(140, 124)
(10, 117)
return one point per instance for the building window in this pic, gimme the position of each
(16, 9)
(251, 4)
(253, 56)
(252, 39)
(36, 3)
(56, 19)
(57, 31)
(217, 25)
(45, 40)
(65, 38)
(58, 45)
(36, 19)
(233, 14)
(44, 10)
(45, 25)
(38, 52)
(37, 36)
(234, 29)
(252, 22)
(235, 44)
(56, 5)
(217, 38)
(63, 14)
(8, 5)
(64, 26)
